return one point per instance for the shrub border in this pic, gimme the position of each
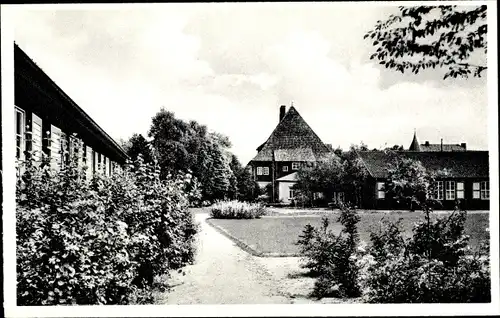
(244, 246)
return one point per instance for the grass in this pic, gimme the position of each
(276, 236)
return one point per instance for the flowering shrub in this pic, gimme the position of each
(98, 242)
(332, 257)
(237, 210)
(435, 265)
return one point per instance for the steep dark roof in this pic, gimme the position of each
(466, 164)
(292, 140)
(414, 143)
(437, 147)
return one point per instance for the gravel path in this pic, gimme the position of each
(223, 274)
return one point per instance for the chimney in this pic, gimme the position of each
(464, 145)
(441, 144)
(282, 111)
(329, 146)
(427, 142)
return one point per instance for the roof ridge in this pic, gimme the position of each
(282, 122)
(316, 135)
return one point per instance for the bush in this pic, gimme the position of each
(435, 265)
(332, 257)
(98, 242)
(237, 210)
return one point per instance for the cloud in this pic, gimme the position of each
(217, 65)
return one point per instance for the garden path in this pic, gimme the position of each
(223, 274)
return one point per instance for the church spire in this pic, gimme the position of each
(415, 146)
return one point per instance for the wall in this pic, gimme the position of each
(468, 203)
(283, 191)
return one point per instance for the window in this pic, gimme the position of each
(295, 166)
(476, 194)
(55, 147)
(94, 162)
(98, 161)
(110, 167)
(380, 190)
(81, 153)
(259, 171)
(265, 171)
(105, 163)
(64, 149)
(439, 190)
(338, 197)
(84, 154)
(285, 168)
(89, 161)
(485, 190)
(460, 190)
(36, 137)
(20, 119)
(450, 190)
(291, 193)
(317, 195)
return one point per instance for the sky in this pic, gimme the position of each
(230, 67)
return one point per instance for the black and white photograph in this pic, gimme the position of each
(262, 159)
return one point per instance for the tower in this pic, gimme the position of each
(415, 146)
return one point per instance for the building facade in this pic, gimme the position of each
(428, 147)
(47, 121)
(291, 145)
(465, 181)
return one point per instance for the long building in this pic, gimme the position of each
(48, 121)
(465, 179)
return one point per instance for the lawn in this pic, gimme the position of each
(276, 236)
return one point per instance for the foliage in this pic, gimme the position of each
(188, 147)
(355, 173)
(421, 37)
(395, 148)
(332, 257)
(435, 265)
(98, 241)
(410, 184)
(323, 177)
(138, 145)
(247, 188)
(236, 210)
(341, 171)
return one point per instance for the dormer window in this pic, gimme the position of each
(295, 165)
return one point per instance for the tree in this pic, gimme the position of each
(410, 183)
(214, 169)
(245, 185)
(187, 146)
(421, 37)
(177, 142)
(323, 177)
(395, 148)
(138, 145)
(355, 174)
(248, 189)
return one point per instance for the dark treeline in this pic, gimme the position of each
(187, 146)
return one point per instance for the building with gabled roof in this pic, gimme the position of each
(416, 146)
(465, 179)
(292, 144)
(48, 122)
